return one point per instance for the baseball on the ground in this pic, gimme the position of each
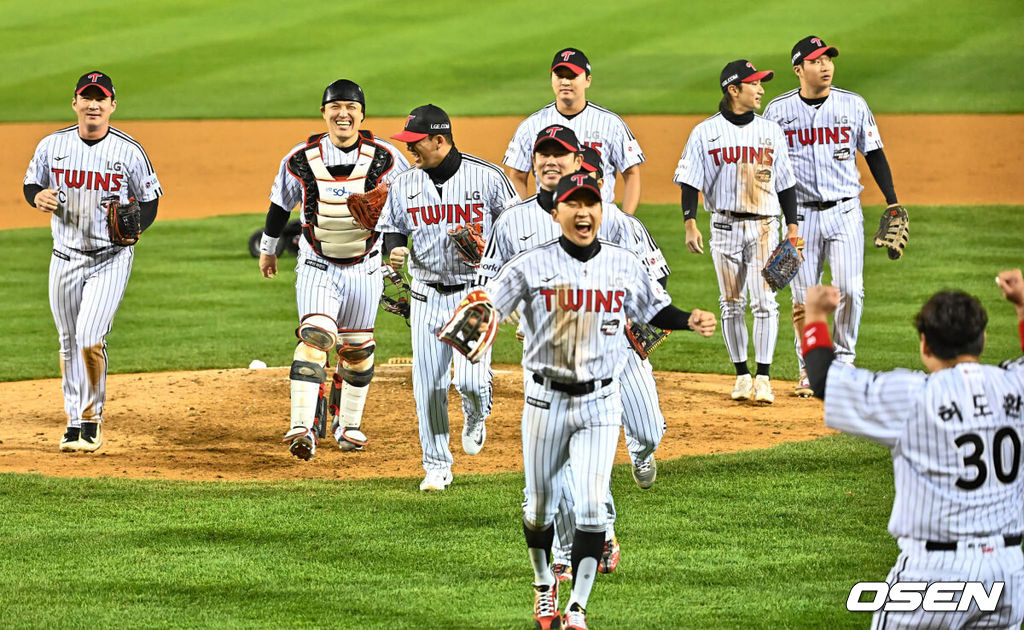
(257, 365)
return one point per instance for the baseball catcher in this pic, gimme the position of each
(124, 222)
(472, 328)
(365, 207)
(469, 242)
(783, 264)
(893, 231)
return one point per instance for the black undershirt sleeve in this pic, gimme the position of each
(663, 281)
(277, 218)
(147, 210)
(883, 175)
(31, 190)
(689, 201)
(787, 199)
(817, 362)
(671, 318)
(391, 241)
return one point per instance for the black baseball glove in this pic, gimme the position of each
(124, 222)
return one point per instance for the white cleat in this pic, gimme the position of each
(473, 436)
(744, 388)
(763, 390)
(350, 439)
(436, 480)
(302, 442)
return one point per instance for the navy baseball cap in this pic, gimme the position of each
(425, 120)
(742, 71)
(592, 161)
(571, 184)
(573, 59)
(558, 134)
(811, 48)
(97, 79)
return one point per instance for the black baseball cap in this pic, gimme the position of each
(811, 48)
(570, 184)
(573, 59)
(95, 78)
(559, 134)
(592, 161)
(742, 71)
(425, 120)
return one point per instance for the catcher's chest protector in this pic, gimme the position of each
(327, 224)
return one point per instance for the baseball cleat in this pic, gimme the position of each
(545, 607)
(91, 438)
(763, 390)
(609, 556)
(575, 618)
(645, 472)
(303, 442)
(69, 443)
(744, 387)
(803, 386)
(473, 436)
(562, 571)
(350, 439)
(436, 480)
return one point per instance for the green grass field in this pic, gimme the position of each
(221, 59)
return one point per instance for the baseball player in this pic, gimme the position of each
(824, 128)
(74, 173)
(955, 436)
(338, 278)
(574, 294)
(557, 152)
(596, 126)
(447, 188)
(739, 160)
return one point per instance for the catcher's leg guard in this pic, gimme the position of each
(355, 371)
(316, 336)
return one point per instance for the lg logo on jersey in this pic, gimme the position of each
(937, 597)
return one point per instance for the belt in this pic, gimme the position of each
(743, 216)
(1011, 540)
(572, 389)
(445, 289)
(823, 205)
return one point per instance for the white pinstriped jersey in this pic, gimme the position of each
(286, 190)
(739, 169)
(477, 193)
(955, 437)
(576, 309)
(650, 254)
(823, 142)
(84, 176)
(595, 127)
(527, 225)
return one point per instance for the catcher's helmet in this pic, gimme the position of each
(344, 90)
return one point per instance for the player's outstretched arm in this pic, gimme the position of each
(821, 302)
(671, 318)
(1012, 285)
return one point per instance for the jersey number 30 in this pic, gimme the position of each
(1005, 471)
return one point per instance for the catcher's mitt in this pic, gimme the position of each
(472, 328)
(783, 264)
(365, 207)
(396, 294)
(469, 241)
(124, 223)
(645, 338)
(893, 231)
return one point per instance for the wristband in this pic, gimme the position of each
(268, 245)
(1020, 329)
(815, 336)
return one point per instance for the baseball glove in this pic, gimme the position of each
(645, 338)
(124, 223)
(472, 328)
(893, 231)
(365, 207)
(783, 264)
(395, 297)
(469, 241)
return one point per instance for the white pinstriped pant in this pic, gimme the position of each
(985, 560)
(739, 249)
(432, 362)
(85, 291)
(559, 429)
(349, 295)
(835, 235)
